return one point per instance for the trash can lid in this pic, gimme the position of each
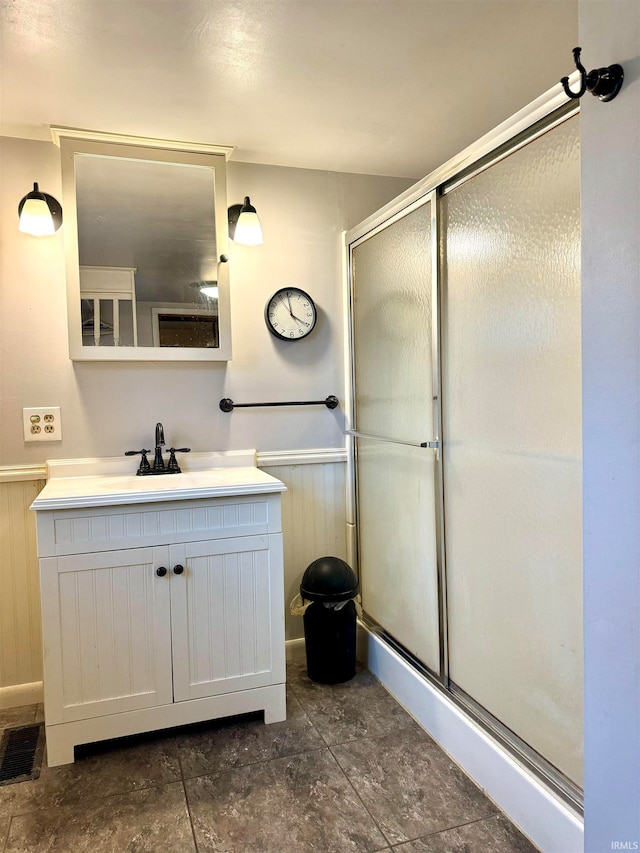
(329, 579)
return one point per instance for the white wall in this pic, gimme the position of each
(313, 523)
(610, 32)
(109, 408)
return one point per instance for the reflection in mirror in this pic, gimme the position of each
(146, 246)
(176, 327)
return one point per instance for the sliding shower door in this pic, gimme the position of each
(468, 498)
(512, 427)
(391, 276)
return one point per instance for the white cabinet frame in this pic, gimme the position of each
(127, 650)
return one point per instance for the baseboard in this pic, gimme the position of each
(21, 694)
(543, 817)
(295, 649)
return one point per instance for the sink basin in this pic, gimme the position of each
(81, 483)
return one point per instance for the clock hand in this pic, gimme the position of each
(299, 320)
(285, 305)
(291, 314)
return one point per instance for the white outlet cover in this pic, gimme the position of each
(33, 418)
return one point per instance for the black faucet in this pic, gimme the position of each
(158, 461)
(158, 466)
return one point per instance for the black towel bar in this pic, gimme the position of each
(227, 405)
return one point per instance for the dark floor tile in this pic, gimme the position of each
(4, 830)
(223, 745)
(21, 716)
(495, 834)
(409, 785)
(300, 804)
(143, 821)
(343, 712)
(100, 771)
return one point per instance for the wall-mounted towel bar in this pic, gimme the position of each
(228, 405)
(434, 445)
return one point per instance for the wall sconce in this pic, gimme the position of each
(40, 213)
(604, 83)
(244, 225)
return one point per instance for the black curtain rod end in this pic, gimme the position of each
(604, 83)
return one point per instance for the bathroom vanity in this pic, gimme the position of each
(162, 597)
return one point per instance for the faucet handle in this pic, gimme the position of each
(172, 465)
(144, 466)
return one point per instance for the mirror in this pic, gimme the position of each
(145, 230)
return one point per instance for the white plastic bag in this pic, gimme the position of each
(298, 605)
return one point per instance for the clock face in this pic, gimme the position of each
(290, 314)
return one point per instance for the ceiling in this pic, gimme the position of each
(386, 87)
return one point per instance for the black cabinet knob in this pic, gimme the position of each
(178, 570)
(161, 571)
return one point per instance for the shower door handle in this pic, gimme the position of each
(433, 445)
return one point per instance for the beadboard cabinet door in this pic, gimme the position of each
(106, 621)
(227, 618)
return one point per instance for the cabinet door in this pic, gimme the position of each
(227, 616)
(107, 638)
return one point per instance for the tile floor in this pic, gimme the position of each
(348, 772)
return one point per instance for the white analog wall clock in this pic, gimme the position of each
(290, 314)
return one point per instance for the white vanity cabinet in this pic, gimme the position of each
(161, 613)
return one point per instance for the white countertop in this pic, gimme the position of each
(76, 483)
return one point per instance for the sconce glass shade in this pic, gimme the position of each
(40, 213)
(244, 225)
(36, 218)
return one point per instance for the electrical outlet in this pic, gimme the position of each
(42, 424)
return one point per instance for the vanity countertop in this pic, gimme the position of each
(76, 483)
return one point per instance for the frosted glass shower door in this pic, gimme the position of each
(391, 280)
(512, 455)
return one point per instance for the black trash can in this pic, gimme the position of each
(330, 620)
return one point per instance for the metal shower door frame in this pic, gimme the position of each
(432, 443)
(537, 118)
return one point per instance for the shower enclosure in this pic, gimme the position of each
(465, 432)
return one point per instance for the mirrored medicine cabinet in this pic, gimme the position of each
(145, 226)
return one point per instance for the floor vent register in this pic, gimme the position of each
(21, 750)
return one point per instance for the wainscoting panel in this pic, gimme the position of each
(20, 638)
(314, 523)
